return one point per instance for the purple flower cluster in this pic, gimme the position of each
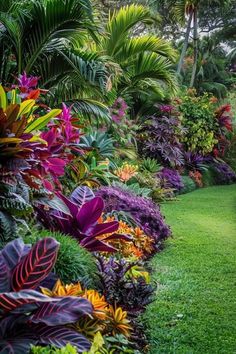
(145, 213)
(27, 83)
(170, 179)
(166, 108)
(118, 110)
(225, 174)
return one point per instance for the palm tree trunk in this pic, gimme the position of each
(195, 45)
(185, 46)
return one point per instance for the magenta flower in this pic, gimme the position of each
(27, 84)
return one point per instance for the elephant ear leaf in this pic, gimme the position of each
(36, 265)
(81, 195)
(59, 336)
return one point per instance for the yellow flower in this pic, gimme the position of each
(99, 303)
(119, 321)
(63, 290)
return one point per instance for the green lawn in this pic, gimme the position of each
(195, 307)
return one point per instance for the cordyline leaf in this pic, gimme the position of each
(36, 265)
(94, 245)
(13, 252)
(41, 122)
(105, 228)
(4, 276)
(13, 300)
(81, 195)
(59, 336)
(89, 213)
(67, 310)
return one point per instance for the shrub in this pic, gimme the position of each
(159, 139)
(68, 349)
(145, 213)
(200, 123)
(170, 179)
(74, 263)
(189, 185)
(223, 173)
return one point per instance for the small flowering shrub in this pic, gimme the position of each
(126, 172)
(145, 213)
(223, 173)
(170, 179)
(197, 177)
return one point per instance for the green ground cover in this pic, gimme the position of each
(195, 306)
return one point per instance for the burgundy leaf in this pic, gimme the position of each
(118, 237)
(73, 208)
(81, 195)
(94, 245)
(89, 213)
(105, 228)
(59, 336)
(36, 265)
(13, 300)
(67, 310)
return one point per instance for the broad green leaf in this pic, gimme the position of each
(41, 122)
(3, 98)
(25, 107)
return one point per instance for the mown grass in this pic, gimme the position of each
(195, 306)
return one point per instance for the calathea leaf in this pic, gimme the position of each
(81, 195)
(14, 300)
(67, 310)
(16, 345)
(36, 265)
(59, 336)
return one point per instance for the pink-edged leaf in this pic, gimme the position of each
(13, 300)
(94, 245)
(81, 195)
(67, 310)
(4, 275)
(105, 228)
(36, 265)
(13, 252)
(59, 336)
(89, 213)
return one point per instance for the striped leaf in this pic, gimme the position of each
(13, 252)
(67, 310)
(36, 266)
(14, 300)
(59, 336)
(4, 275)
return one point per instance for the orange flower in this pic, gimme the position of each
(99, 303)
(63, 290)
(126, 172)
(119, 321)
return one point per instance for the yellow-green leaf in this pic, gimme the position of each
(3, 98)
(41, 122)
(26, 106)
(10, 140)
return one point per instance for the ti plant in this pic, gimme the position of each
(28, 317)
(82, 221)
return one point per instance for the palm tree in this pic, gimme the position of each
(47, 38)
(144, 61)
